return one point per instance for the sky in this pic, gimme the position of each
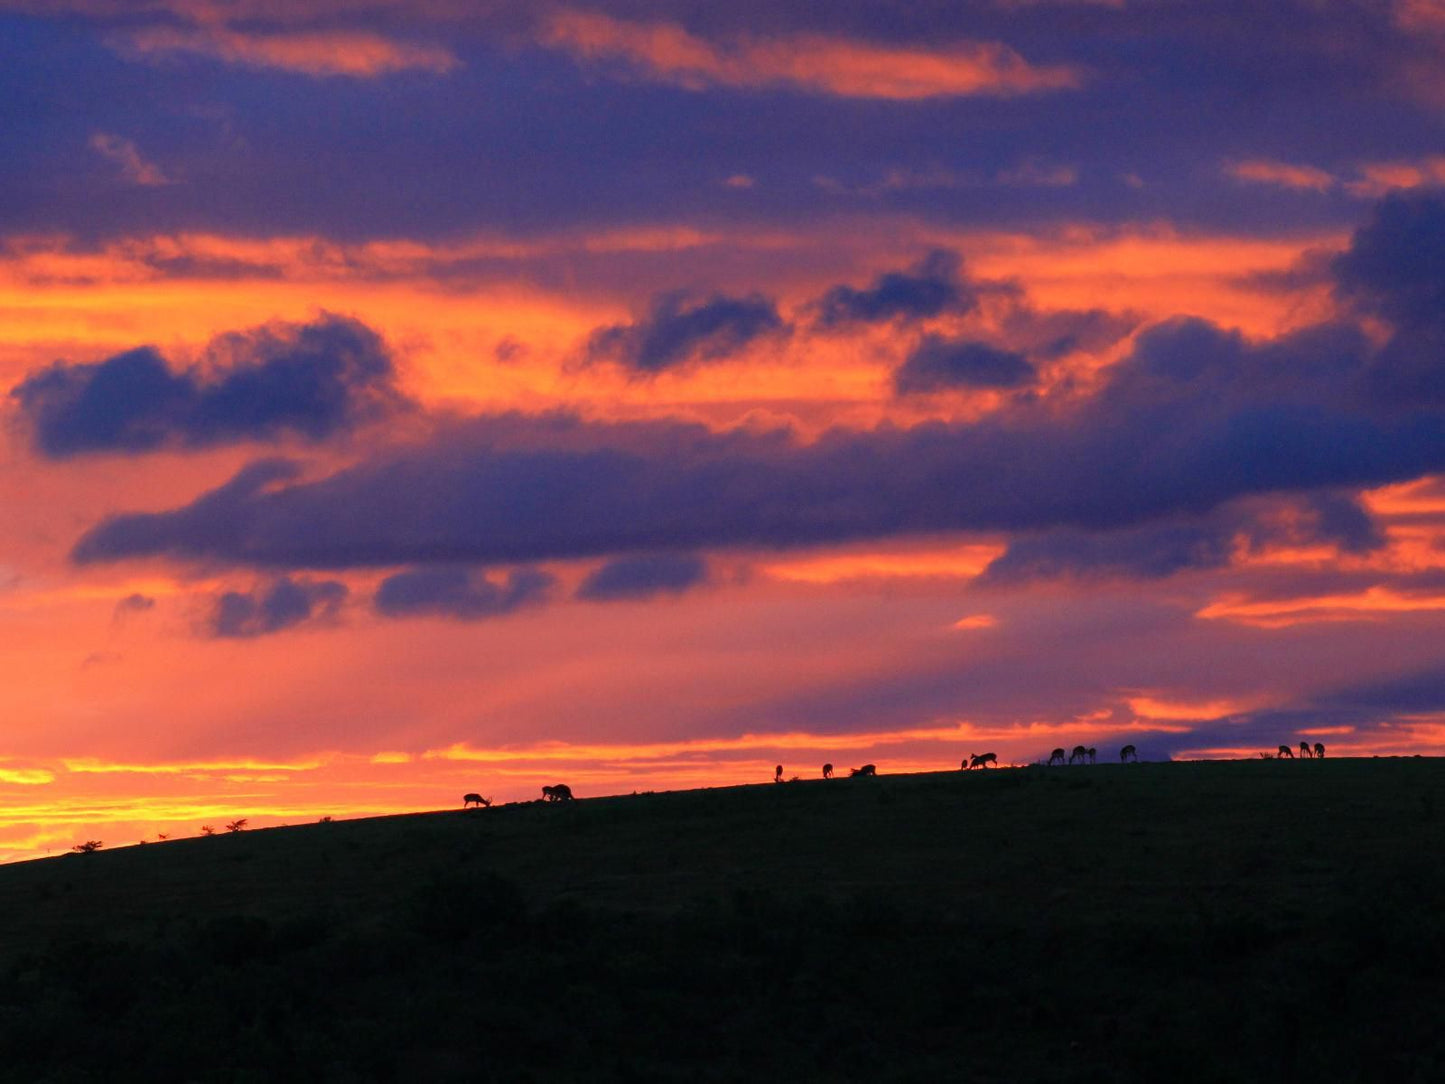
(406, 398)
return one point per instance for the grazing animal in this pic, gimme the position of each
(1128, 753)
(1320, 749)
(560, 793)
(469, 799)
(1286, 751)
(867, 769)
(1056, 757)
(1092, 754)
(827, 771)
(983, 760)
(1305, 750)
(1079, 752)
(778, 774)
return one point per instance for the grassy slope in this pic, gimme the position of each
(1043, 912)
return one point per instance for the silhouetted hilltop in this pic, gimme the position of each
(1109, 922)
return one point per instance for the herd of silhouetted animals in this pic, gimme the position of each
(561, 792)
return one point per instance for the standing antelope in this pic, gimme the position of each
(983, 760)
(1079, 752)
(1305, 750)
(1092, 754)
(778, 774)
(1286, 751)
(1056, 757)
(1320, 750)
(469, 799)
(827, 771)
(1128, 753)
(559, 793)
(867, 769)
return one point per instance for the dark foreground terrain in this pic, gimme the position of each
(1232, 921)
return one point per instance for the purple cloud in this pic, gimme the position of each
(458, 593)
(643, 577)
(677, 331)
(282, 605)
(309, 380)
(940, 364)
(933, 286)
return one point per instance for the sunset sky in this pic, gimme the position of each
(413, 397)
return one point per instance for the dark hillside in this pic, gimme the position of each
(1199, 921)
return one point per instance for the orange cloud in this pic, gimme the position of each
(1266, 171)
(975, 621)
(1159, 708)
(1379, 178)
(964, 562)
(353, 53)
(826, 65)
(1371, 604)
(1156, 271)
(1424, 496)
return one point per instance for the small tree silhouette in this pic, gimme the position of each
(207, 830)
(325, 820)
(90, 846)
(237, 825)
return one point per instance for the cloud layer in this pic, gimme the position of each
(1194, 418)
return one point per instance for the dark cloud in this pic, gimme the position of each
(939, 364)
(283, 604)
(1373, 710)
(1049, 335)
(643, 577)
(930, 288)
(312, 380)
(1158, 550)
(678, 330)
(458, 593)
(1395, 269)
(1395, 265)
(358, 165)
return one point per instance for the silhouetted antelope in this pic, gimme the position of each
(867, 769)
(560, 793)
(778, 774)
(469, 799)
(827, 771)
(1080, 753)
(1286, 751)
(1056, 757)
(1128, 753)
(983, 760)
(1092, 754)
(1305, 750)
(1320, 750)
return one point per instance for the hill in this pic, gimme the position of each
(1200, 921)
